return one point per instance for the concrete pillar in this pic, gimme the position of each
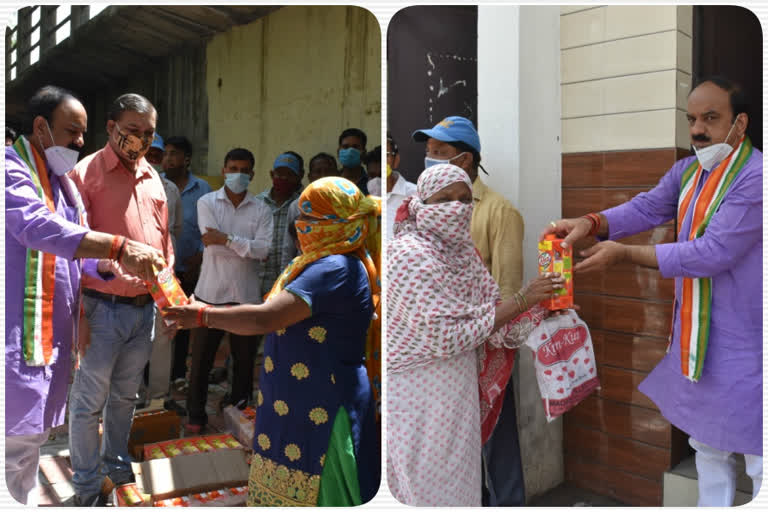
(519, 125)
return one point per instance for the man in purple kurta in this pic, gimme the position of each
(35, 395)
(721, 409)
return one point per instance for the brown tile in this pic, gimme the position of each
(619, 452)
(627, 280)
(623, 420)
(642, 168)
(632, 316)
(609, 481)
(639, 353)
(621, 386)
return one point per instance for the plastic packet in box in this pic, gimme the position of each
(166, 291)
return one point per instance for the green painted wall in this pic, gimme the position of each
(293, 81)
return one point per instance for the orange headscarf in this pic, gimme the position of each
(339, 219)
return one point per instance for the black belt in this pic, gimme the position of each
(139, 300)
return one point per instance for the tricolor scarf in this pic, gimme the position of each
(40, 267)
(696, 302)
(341, 220)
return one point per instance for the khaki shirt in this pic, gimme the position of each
(497, 230)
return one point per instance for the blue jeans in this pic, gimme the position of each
(503, 468)
(107, 383)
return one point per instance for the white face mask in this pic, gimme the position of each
(429, 162)
(712, 155)
(60, 160)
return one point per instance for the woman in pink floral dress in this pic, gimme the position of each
(447, 333)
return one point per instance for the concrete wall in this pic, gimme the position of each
(626, 73)
(176, 86)
(519, 124)
(293, 81)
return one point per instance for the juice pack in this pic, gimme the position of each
(223, 441)
(553, 257)
(153, 451)
(166, 290)
(128, 496)
(170, 448)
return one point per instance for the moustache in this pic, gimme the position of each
(700, 138)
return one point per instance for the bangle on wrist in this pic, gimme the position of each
(525, 301)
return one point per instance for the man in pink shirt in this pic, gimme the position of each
(122, 195)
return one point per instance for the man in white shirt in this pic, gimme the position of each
(237, 233)
(397, 186)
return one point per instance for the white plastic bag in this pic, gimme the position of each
(565, 362)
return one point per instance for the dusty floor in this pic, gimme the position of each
(55, 471)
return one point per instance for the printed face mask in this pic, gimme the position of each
(131, 146)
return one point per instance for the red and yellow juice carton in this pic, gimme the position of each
(223, 441)
(553, 257)
(170, 448)
(128, 496)
(188, 446)
(166, 290)
(202, 444)
(153, 451)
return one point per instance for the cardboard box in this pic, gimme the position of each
(189, 474)
(240, 423)
(151, 428)
(189, 445)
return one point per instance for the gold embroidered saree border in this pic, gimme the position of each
(272, 484)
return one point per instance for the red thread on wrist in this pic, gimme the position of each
(120, 250)
(114, 247)
(596, 222)
(200, 320)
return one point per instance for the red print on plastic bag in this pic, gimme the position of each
(564, 374)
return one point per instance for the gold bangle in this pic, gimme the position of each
(525, 301)
(517, 302)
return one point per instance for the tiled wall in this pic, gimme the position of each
(625, 73)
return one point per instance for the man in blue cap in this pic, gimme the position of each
(286, 176)
(497, 231)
